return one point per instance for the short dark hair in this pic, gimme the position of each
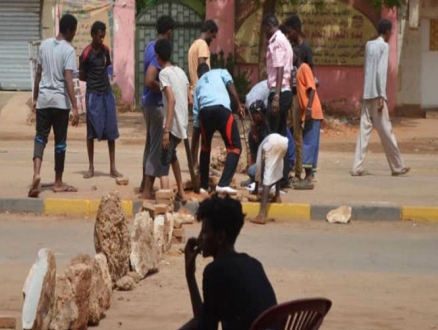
(67, 23)
(209, 26)
(257, 106)
(223, 214)
(384, 26)
(164, 24)
(98, 25)
(163, 48)
(283, 28)
(293, 22)
(202, 68)
(270, 20)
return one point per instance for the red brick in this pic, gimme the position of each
(165, 194)
(160, 209)
(164, 201)
(181, 232)
(177, 223)
(178, 240)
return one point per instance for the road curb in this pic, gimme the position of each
(282, 212)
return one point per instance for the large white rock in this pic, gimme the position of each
(111, 235)
(39, 292)
(168, 231)
(105, 302)
(340, 215)
(66, 310)
(159, 232)
(145, 254)
(80, 277)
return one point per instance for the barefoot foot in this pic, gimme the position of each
(260, 220)
(89, 174)
(64, 188)
(34, 190)
(115, 174)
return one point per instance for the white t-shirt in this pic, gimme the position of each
(55, 56)
(175, 78)
(274, 147)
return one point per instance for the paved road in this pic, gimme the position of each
(334, 184)
(395, 260)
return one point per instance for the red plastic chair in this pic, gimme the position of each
(303, 314)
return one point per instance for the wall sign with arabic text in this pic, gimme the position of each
(336, 30)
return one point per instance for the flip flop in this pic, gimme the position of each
(66, 188)
(34, 190)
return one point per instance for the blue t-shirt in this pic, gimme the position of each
(150, 98)
(210, 90)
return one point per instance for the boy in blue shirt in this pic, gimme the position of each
(212, 110)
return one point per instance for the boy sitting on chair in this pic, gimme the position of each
(235, 287)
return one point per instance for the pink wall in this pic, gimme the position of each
(341, 87)
(222, 12)
(124, 48)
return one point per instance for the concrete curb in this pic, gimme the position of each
(283, 212)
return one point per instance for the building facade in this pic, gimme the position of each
(417, 47)
(337, 33)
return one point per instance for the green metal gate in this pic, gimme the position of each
(186, 31)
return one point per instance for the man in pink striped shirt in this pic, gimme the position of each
(279, 58)
(279, 62)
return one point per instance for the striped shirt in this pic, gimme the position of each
(279, 54)
(376, 69)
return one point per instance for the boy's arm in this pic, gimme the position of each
(311, 93)
(191, 251)
(170, 97)
(195, 110)
(70, 66)
(189, 96)
(150, 79)
(382, 74)
(310, 90)
(82, 68)
(233, 92)
(36, 87)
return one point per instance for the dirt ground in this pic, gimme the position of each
(379, 275)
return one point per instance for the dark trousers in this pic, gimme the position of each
(278, 123)
(45, 120)
(212, 119)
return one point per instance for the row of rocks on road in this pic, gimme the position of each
(81, 295)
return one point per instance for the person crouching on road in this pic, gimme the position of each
(270, 162)
(258, 132)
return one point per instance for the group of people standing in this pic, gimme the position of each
(54, 100)
(286, 117)
(285, 110)
(212, 95)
